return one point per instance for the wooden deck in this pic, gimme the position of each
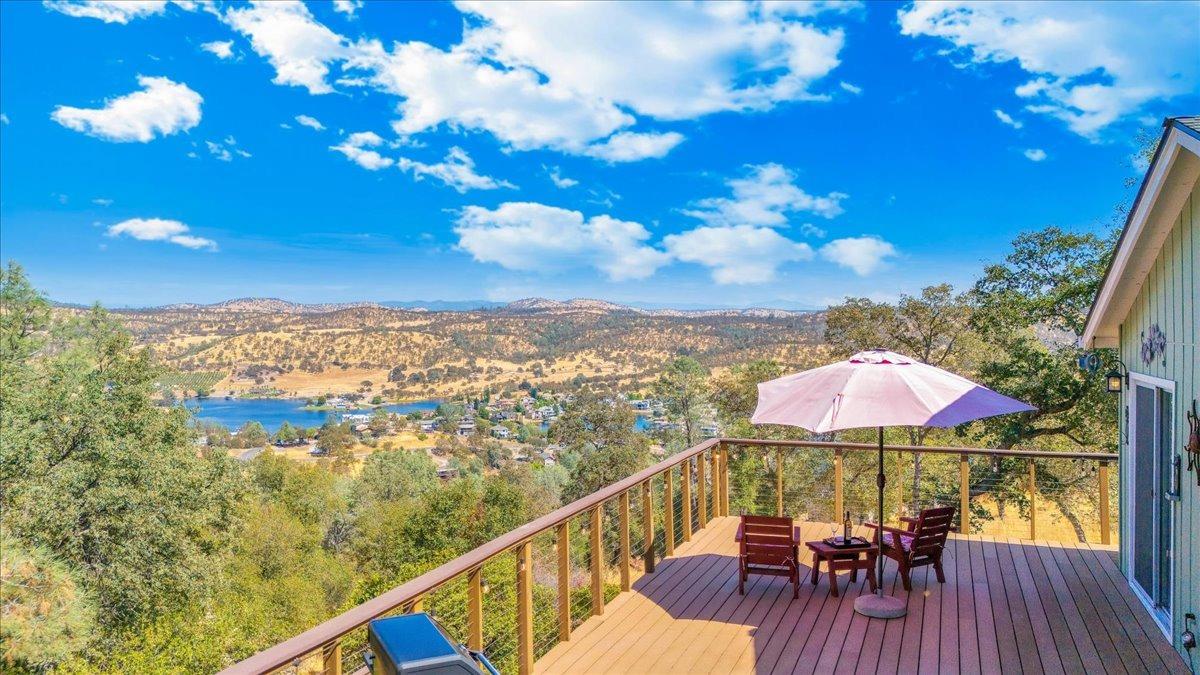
(1008, 605)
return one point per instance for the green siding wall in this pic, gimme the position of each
(1169, 298)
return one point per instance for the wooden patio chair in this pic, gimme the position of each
(919, 542)
(768, 545)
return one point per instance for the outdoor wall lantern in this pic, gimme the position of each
(1114, 380)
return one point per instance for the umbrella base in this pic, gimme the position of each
(880, 606)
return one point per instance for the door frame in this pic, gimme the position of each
(1130, 502)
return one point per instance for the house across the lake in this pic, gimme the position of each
(1147, 309)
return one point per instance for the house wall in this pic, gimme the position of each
(1170, 298)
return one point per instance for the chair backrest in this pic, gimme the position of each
(766, 540)
(929, 536)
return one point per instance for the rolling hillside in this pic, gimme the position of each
(306, 350)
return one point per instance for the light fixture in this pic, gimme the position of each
(1113, 382)
(1115, 379)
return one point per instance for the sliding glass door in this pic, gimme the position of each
(1151, 471)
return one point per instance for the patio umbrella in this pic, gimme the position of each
(877, 388)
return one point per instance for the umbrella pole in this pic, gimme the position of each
(880, 606)
(880, 481)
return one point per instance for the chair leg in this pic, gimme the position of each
(904, 577)
(937, 569)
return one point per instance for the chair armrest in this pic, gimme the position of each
(737, 536)
(795, 535)
(886, 528)
(909, 522)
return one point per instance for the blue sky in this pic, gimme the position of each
(783, 154)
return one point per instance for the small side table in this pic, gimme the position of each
(840, 558)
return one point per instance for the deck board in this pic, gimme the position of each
(1008, 605)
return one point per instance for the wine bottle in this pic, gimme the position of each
(846, 528)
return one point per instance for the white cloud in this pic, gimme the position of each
(568, 78)
(357, 146)
(161, 108)
(100, 201)
(765, 196)
(1007, 119)
(629, 146)
(220, 49)
(664, 60)
(810, 230)
(347, 7)
(160, 229)
(310, 122)
(287, 35)
(1035, 154)
(739, 254)
(1091, 64)
(528, 236)
(560, 181)
(108, 11)
(224, 150)
(457, 170)
(864, 254)
(853, 89)
(457, 90)
(3, 118)
(219, 151)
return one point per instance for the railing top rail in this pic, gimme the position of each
(941, 450)
(314, 638)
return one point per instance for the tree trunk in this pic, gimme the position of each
(1071, 518)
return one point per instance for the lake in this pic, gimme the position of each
(273, 412)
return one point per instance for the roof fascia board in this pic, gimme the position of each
(1174, 141)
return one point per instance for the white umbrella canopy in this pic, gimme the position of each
(878, 388)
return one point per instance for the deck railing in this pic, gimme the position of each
(518, 595)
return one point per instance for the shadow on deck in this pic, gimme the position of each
(1007, 604)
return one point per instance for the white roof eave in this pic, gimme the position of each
(1169, 181)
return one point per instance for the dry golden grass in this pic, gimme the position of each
(450, 353)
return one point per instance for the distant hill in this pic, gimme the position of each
(426, 351)
(442, 305)
(265, 305)
(523, 306)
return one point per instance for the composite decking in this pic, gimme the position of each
(1008, 605)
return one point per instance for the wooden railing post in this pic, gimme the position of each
(596, 553)
(839, 487)
(669, 511)
(563, 546)
(964, 494)
(525, 608)
(475, 609)
(779, 482)
(648, 524)
(715, 478)
(1032, 501)
(725, 479)
(624, 526)
(701, 489)
(1105, 535)
(685, 485)
(331, 658)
